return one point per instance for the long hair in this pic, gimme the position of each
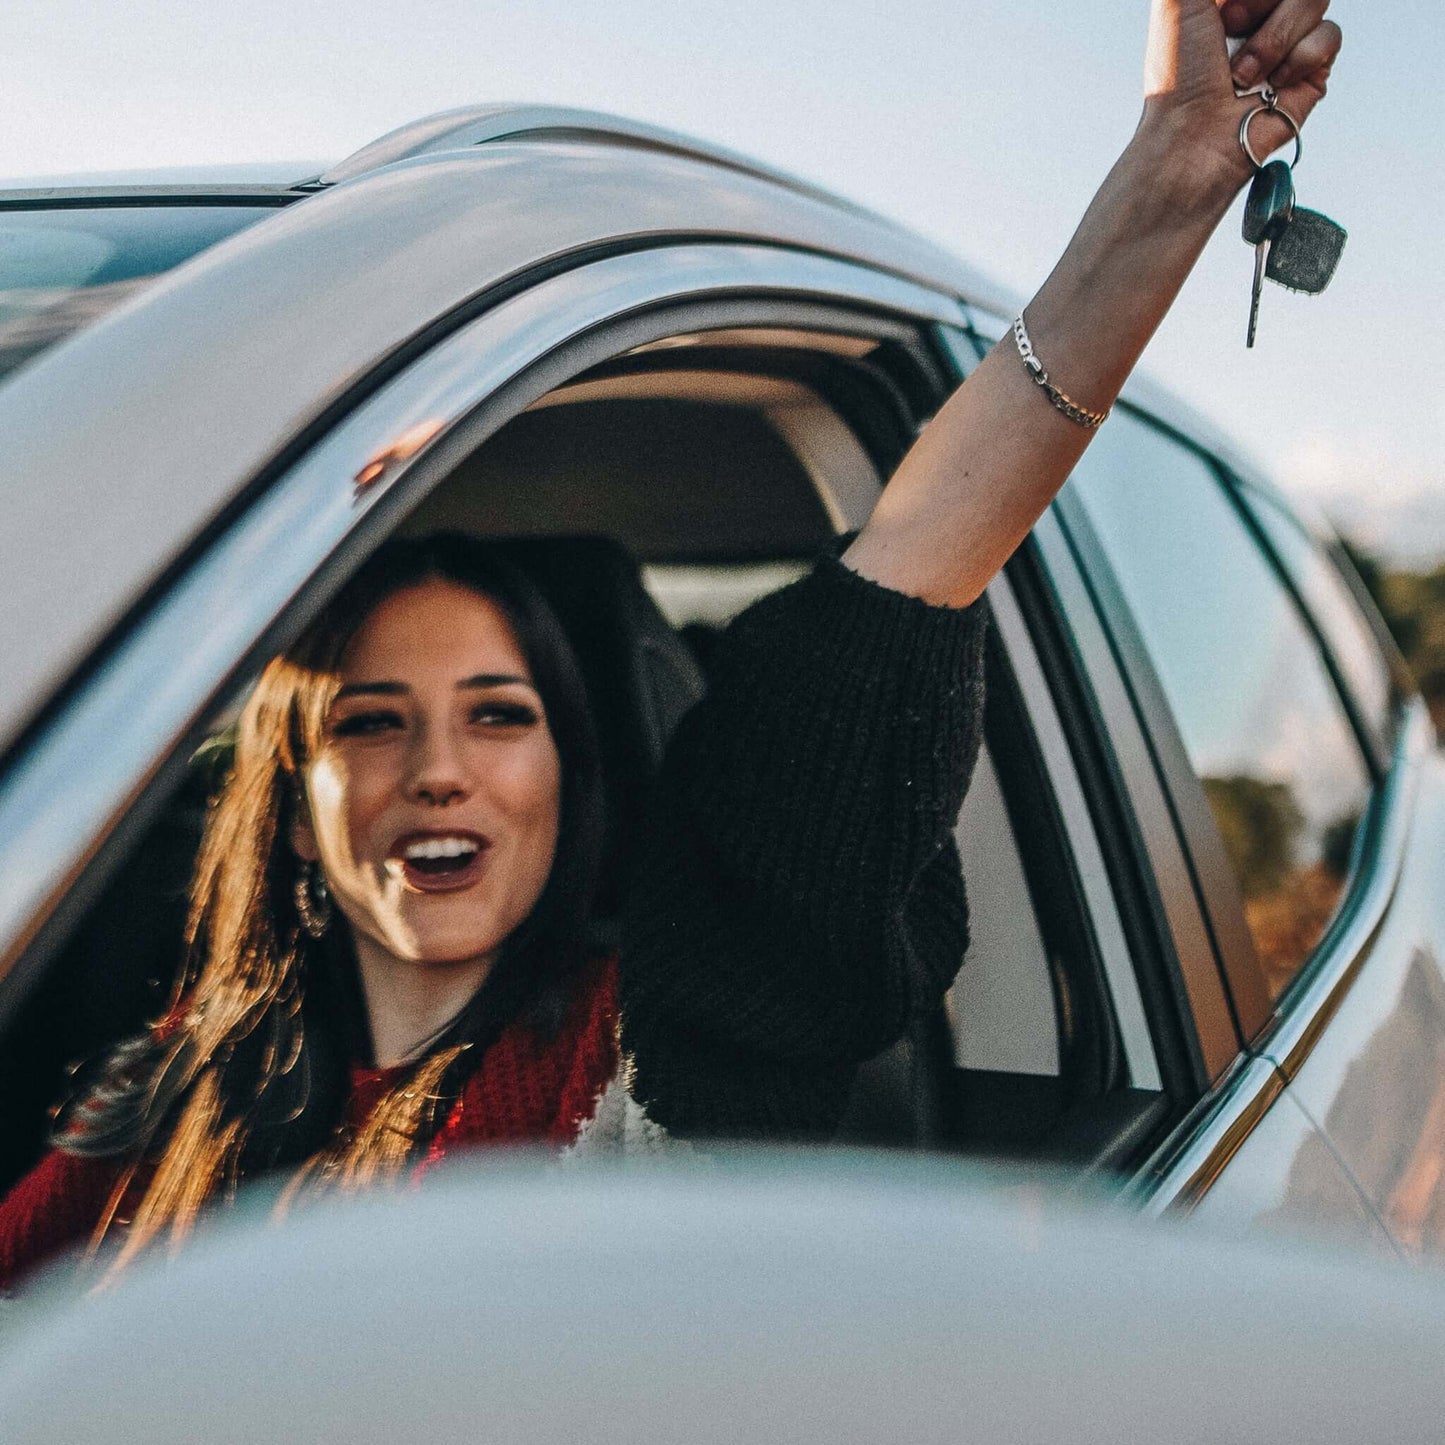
(247, 1070)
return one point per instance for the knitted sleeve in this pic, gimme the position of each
(800, 892)
(57, 1205)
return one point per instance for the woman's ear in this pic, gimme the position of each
(303, 835)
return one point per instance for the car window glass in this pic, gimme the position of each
(1250, 691)
(1347, 632)
(1001, 1011)
(62, 269)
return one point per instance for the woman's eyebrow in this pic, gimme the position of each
(372, 689)
(497, 679)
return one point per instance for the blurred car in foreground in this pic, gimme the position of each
(1205, 842)
(809, 1300)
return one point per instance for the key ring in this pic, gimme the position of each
(1271, 106)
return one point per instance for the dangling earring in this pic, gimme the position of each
(313, 899)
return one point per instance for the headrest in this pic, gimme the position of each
(640, 676)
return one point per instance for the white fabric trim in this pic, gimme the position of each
(620, 1127)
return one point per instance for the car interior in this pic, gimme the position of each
(652, 498)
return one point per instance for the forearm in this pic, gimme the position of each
(986, 467)
(1121, 272)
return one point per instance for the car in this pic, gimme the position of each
(1204, 841)
(815, 1300)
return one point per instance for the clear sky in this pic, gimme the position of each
(984, 126)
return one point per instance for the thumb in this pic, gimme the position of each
(1185, 54)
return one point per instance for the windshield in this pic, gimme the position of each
(63, 268)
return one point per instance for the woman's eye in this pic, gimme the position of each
(367, 724)
(504, 714)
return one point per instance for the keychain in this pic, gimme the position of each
(1294, 247)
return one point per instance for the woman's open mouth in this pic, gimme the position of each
(438, 862)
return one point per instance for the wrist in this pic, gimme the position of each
(1194, 167)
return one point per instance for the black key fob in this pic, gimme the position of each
(1270, 203)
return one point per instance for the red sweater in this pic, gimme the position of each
(528, 1089)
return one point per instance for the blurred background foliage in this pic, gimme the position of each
(1413, 604)
(1292, 877)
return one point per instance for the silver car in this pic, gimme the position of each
(1205, 841)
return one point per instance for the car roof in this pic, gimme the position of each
(178, 181)
(204, 362)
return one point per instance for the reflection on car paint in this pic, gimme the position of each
(1286, 1179)
(63, 270)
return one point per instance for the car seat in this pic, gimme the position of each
(640, 675)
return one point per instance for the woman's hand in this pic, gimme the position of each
(1188, 85)
(989, 463)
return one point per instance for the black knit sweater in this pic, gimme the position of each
(800, 893)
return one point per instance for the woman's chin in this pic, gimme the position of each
(444, 950)
(425, 938)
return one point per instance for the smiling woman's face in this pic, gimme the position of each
(433, 799)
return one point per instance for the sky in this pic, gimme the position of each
(986, 127)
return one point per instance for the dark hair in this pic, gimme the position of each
(248, 1069)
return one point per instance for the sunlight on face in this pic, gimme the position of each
(434, 797)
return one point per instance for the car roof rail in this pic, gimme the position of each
(471, 125)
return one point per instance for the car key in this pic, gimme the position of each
(1267, 213)
(1305, 253)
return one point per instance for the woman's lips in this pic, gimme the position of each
(439, 862)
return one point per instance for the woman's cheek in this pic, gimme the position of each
(548, 775)
(536, 803)
(343, 801)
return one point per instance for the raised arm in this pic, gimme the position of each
(988, 464)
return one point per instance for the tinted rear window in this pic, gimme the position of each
(1255, 703)
(1363, 664)
(61, 269)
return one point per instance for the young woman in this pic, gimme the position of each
(390, 914)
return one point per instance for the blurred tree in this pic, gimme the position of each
(1338, 844)
(1259, 822)
(1413, 606)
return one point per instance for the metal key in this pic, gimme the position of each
(1304, 255)
(1268, 211)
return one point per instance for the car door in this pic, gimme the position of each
(225, 452)
(1272, 715)
(1362, 1043)
(269, 414)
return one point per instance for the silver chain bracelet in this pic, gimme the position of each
(1035, 368)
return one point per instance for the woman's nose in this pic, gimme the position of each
(437, 774)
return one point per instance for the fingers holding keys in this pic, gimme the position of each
(1294, 50)
(1192, 90)
(1290, 44)
(1308, 65)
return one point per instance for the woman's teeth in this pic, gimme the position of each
(440, 855)
(439, 848)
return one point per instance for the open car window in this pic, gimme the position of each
(604, 473)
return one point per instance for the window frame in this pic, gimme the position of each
(329, 503)
(1124, 1084)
